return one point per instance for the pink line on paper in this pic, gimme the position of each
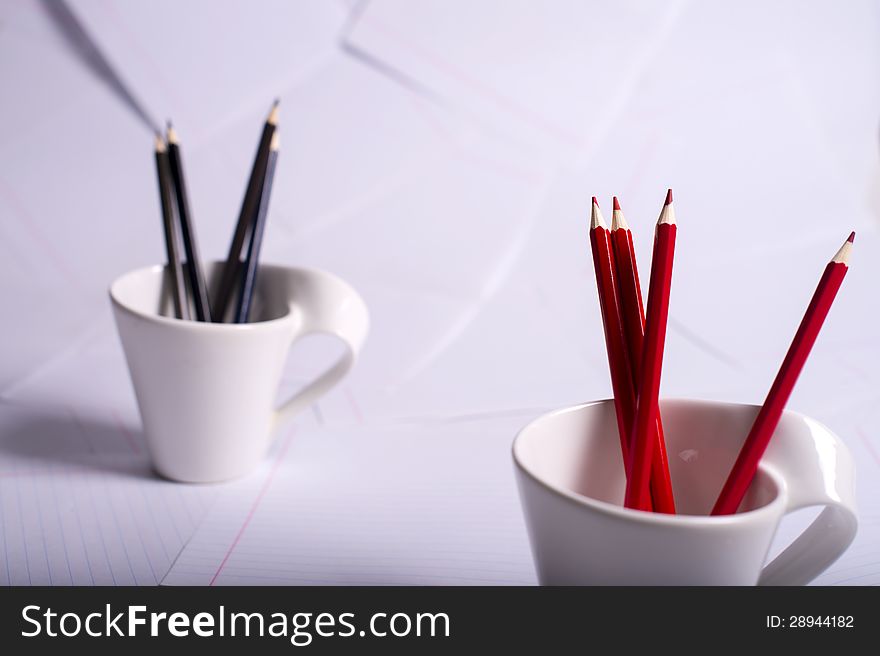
(30, 223)
(254, 506)
(129, 436)
(511, 105)
(870, 447)
(355, 408)
(427, 113)
(136, 47)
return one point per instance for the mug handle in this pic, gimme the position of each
(330, 306)
(818, 472)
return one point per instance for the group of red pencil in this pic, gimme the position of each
(634, 339)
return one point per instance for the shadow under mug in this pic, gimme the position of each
(571, 481)
(206, 391)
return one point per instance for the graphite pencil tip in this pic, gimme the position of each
(170, 133)
(668, 197)
(273, 113)
(852, 237)
(616, 205)
(160, 143)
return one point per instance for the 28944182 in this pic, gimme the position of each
(810, 622)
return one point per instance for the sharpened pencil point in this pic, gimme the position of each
(596, 220)
(668, 197)
(170, 134)
(667, 214)
(273, 113)
(843, 254)
(852, 237)
(618, 222)
(160, 143)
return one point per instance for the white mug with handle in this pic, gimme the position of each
(206, 391)
(571, 481)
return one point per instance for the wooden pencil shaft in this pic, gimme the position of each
(746, 465)
(193, 262)
(243, 229)
(629, 296)
(647, 406)
(251, 264)
(624, 394)
(172, 248)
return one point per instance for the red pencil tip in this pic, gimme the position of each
(595, 202)
(852, 237)
(616, 204)
(668, 197)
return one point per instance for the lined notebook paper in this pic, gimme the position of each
(429, 504)
(421, 505)
(80, 505)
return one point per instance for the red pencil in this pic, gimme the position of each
(647, 407)
(629, 299)
(624, 395)
(768, 416)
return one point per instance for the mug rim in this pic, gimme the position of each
(775, 506)
(201, 325)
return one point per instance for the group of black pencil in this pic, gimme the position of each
(189, 287)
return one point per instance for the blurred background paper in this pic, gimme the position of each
(208, 62)
(439, 156)
(532, 71)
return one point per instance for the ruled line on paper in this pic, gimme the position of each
(368, 505)
(254, 507)
(74, 514)
(869, 446)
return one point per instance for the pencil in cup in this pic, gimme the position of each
(172, 246)
(247, 217)
(629, 300)
(618, 365)
(765, 423)
(251, 264)
(647, 405)
(193, 263)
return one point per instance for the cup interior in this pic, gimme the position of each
(577, 451)
(149, 292)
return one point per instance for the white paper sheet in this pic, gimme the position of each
(560, 75)
(444, 167)
(410, 504)
(552, 77)
(79, 504)
(199, 66)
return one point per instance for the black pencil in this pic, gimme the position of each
(246, 218)
(193, 264)
(249, 273)
(172, 246)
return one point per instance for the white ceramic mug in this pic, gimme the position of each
(571, 481)
(206, 391)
